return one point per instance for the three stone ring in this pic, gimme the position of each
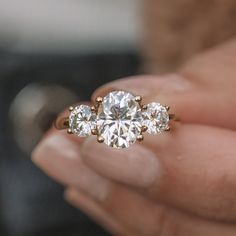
(118, 119)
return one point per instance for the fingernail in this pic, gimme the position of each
(60, 158)
(136, 165)
(53, 146)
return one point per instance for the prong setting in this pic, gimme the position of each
(99, 100)
(69, 131)
(144, 128)
(138, 99)
(93, 108)
(140, 137)
(167, 108)
(100, 139)
(118, 113)
(167, 128)
(156, 118)
(144, 107)
(94, 132)
(82, 120)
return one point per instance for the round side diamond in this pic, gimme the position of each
(155, 118)
(82, 120)
(119, 119)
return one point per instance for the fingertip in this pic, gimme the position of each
(58, 156)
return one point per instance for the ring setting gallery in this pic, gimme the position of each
(117, 119)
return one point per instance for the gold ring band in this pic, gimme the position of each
(118, 119)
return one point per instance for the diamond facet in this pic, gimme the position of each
(155, 118)
(82, 121)
(119, 119)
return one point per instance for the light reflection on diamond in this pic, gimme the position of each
(82, 120)
(119, 119)
(155, 118)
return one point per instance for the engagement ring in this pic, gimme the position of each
(118, 119)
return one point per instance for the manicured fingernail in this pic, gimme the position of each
(60, 158)
(53, 146)
(136, 165)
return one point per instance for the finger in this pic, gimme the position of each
(192, 168)
(136, 166)
(193, 102)
(66, 159)
(58, 155)
(214, 68)
(199, 91)
(143, 217)
(172, 90)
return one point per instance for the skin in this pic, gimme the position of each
(180, 183)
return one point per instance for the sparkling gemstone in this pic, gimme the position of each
(82, 120)
(119, 119)
(155, 118)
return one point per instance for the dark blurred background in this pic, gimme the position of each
(53, 53)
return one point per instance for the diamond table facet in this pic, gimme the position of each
(155, 118)
(119, 119)
(82, 121)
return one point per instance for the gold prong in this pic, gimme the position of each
(100, 139)
(138, 98)
(144, 128)
(94, 131)
(93, 109)
(144, 107)
(167, 129)
(99, 100)
(140, 137)
(174, 117)
(69, 131)
(71, 108)
(167, 108)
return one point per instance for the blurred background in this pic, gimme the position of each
(53, 53)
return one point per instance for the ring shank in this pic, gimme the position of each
(173, 117)
(61, 123)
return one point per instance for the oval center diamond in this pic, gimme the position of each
(119, 119)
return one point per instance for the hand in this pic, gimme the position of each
(182, 182)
